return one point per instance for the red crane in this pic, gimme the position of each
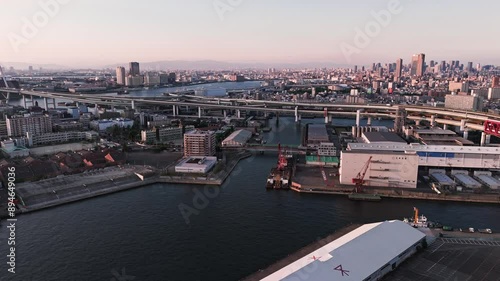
(282, 161)
(359, 180)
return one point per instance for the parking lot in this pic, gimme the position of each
(454, 260)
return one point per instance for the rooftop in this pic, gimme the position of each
(358, 253)
(383, 137)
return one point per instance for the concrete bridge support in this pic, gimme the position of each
(200, 111)
(174, 110)
(225, 113)
(466, 134)
(133, 105)
(369, 123)
(433, 120)
(483, 139)
(297, 114)
(46, 103)
(238, 113)
(358, 118)
(488, 139)
(445, 127)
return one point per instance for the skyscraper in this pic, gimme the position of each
(399, 69)
(418, 65)
(469, 66)
(120, 75)
(134, 69)
(495, 82)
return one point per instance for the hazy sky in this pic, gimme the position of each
(96, 33)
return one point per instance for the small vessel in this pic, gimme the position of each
(417, 221)
(485, 230)
(280, 177)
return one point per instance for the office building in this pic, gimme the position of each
(469, 66)
(495, 83)
(134, 69)
(34, 124)
(494, 93)
(161, 135)
(463, 102)
(134, 81)
(199, 143)
(462, 87)
(418, 65)
(399, 69)
(120, 75)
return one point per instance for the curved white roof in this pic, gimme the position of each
(354, 256)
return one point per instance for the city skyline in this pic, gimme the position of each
(243, 32)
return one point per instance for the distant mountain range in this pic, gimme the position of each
(179, 65)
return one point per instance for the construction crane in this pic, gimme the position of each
(359, 180)
(325, 178)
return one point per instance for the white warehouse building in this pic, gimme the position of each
(385, 169)
(366, 253)
(448, 156)
(237, 139)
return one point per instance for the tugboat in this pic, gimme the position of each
(280, 176)
(417, 221)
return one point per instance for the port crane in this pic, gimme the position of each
(359, 180)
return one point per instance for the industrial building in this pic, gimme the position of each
(381, 137)
(103, 125)
(316, 134)
(62, 137)
(385, 168)
(196, 165)
(199, 143)
(436, 136)
(366, 253)
(237, 139)
(478, 157)
(327, 149)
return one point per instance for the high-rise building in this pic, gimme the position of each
(469, 66)
(443, 66)
(399, 69)
(120, 75)
(355, 69)
(418, 65)
(30, 70)
(495, 83)
(134, 69)
(172, 77)
(18, 126)
(199, 143)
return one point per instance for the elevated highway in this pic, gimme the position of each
(466, 120)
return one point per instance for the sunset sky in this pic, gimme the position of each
(94, 33)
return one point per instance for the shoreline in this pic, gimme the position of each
(407, 194)
(155, 179)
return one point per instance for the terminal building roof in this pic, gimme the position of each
(354, 256)
(424, 148)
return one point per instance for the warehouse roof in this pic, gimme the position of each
(241, 136)
(382, 137)
(317, 132)
(354, 256)
(424, 148)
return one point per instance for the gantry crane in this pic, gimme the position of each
(359, 180)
